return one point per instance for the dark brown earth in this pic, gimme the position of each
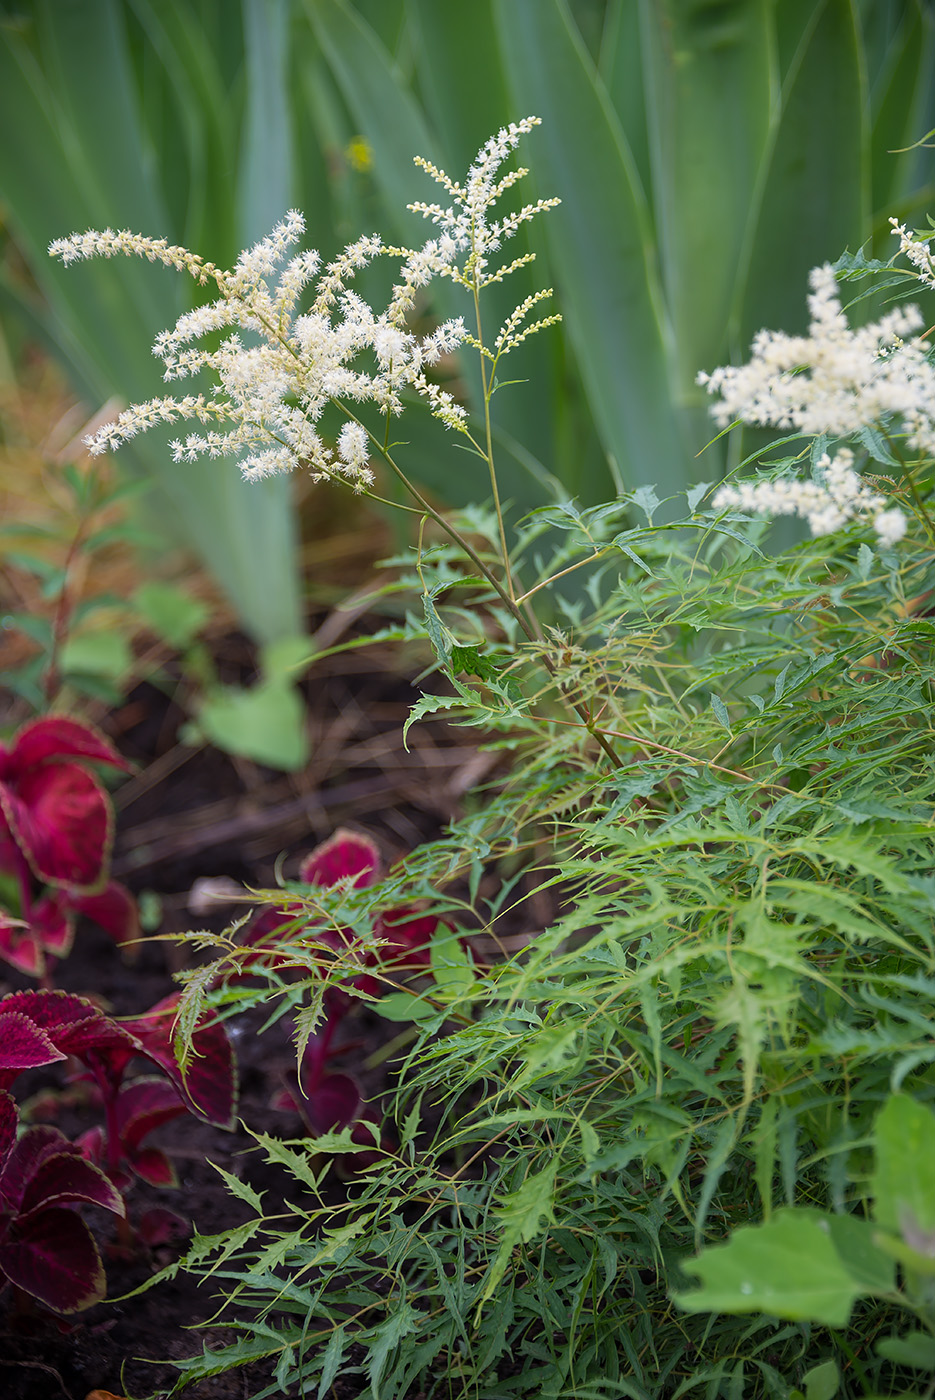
(191, 815)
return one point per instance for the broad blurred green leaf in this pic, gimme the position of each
(788, 1267)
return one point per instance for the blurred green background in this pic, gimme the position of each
(707, 156)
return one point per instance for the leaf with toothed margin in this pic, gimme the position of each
(23, 1045)
(55, 738)
(142, 1107)
(66, 1178)
(30, 1151)
(52, 1256)
(208, 1083)
(74, 1025)
(60, 817)
(9, 1118)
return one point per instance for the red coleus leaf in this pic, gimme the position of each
(345, 855)
(209, 1084)
(55, 738)
(51, 925)
(114, 910)
(67, 1178)
(18, 947)
(36, 1146)
(153, 1166)
(9, 1118)
(75, 1026)
(144, 1105)
(52, 1256)
(333, 1104)
(23, 1045)
(161, 1226)
(408, 935)
(60, 817)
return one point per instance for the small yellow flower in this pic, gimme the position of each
(360, 154)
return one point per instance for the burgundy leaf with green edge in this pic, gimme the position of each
(19, 948)
(60, 817)
(208, 1083)
(52, 1256)
(35, 1147)
(45, 1248)
(74, 1025)
(51, 924)
(23, 1045)
(9, 1118)
(141, 1107)
(57, 813)
(344, 856)
(113, 909)
(144, 1105)
(153, 1166)
(67, 1178)
(54, 738)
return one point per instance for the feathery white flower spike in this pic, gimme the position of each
(277, 368)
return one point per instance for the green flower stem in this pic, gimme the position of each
(487, 388)
(508, 601)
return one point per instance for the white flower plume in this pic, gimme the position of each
(837, 496)
(278, 366)
(835, 380)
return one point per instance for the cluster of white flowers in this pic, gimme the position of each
(917, 251)
(466, 226)
(273, 390)
(274, 386)
(837, 496)
(835, 380)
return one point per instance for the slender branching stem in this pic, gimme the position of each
(487, 390)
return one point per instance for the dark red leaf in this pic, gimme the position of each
(153, 1166)
(209, 1083)
(60, 818)
(18, 947)
(9, 1118)
(68, 1177)
(409, 936)
(36, 1146)
(344, 855)
(56, 737)
(333, 1105)
(91, 1144)
(51, 925)
(113, 910)
(144, 1105)
(161, 1226)
(285, 1101)
(74, 1025)
(53, 1257)
(23, 1044)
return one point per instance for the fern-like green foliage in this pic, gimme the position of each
(741, 969)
